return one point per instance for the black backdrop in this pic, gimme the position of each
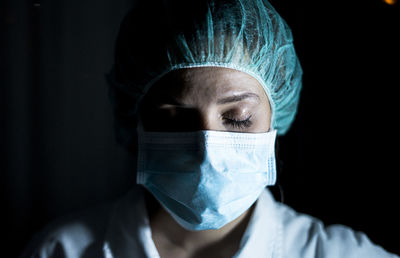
(57, 150)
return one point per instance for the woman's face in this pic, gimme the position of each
(206, 98)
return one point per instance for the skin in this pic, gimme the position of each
(206, 98)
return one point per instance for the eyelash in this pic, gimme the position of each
(239, 124)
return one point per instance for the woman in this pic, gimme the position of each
(200, 92)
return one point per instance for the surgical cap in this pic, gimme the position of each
(160, 36)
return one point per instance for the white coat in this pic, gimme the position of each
(121, 230)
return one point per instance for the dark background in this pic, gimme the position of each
(339, 162)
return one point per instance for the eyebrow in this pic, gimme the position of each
(237, 98)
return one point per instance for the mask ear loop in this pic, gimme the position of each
(271, 119)
(139, 134)
(277, 189)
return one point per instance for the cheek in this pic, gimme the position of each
(262, 117)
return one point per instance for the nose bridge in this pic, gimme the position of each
(198, 119)
(207, 119)
(204, 122)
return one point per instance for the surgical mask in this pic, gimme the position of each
(206, 179)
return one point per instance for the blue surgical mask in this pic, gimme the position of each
(206, 179)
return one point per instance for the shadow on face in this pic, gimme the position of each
(206, 98)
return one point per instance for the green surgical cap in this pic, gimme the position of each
(157, 37)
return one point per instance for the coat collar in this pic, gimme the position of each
(129, 233)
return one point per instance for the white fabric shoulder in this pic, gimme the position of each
(77, 235)
(307, 237)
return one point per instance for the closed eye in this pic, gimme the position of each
(238, 124)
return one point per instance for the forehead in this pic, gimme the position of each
(206, 82)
